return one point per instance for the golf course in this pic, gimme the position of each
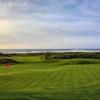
(49, 49)
(34, 78)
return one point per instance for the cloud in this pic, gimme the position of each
(50, 23)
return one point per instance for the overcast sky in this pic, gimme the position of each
(49, 24)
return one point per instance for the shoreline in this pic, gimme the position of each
(25, 51)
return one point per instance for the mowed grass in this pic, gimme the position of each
(35, 79)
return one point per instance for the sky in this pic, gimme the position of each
(49, 24)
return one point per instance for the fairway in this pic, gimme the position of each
(35, 79)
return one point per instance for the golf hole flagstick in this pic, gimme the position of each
(8, 65)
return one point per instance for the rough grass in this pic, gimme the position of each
(51, 80)
(74, 61)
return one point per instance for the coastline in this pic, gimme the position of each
(23, 51)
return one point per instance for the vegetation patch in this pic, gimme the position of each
(6, 60)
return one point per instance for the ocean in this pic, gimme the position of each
(46, 50)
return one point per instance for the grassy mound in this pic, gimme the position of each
(6, 60)
(73, 61)
(81, 61)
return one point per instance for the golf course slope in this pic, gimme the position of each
(35, 79)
